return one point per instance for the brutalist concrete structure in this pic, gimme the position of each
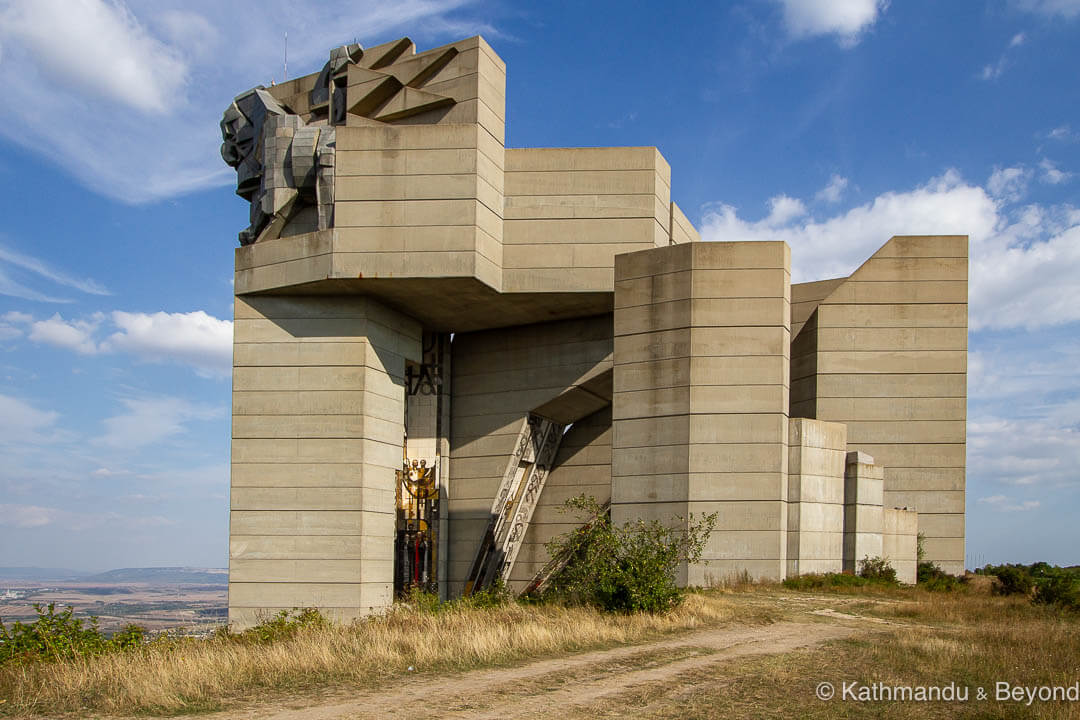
(438, 339)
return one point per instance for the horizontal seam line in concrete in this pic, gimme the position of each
(274, 510)
(369, 413)
(459, 171)
(899, 281)
(510, 196)
(816, 304)
(685, 299)
(671, 328)
(650, 170)
(690, 357)
(311, 437)
(282, 262)
(631, 278)
(337, 389)
(315, 462)
(401, 225)
(573, 217)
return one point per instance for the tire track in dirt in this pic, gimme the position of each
(541, 687)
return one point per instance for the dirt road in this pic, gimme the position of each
(565, 686)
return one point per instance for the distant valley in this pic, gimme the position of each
(185, 599)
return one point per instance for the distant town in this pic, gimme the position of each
(187, 601)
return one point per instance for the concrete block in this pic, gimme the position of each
(309, 547)
(740, 399)
(930, 246)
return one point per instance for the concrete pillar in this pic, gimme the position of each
(885, 352)
(816, 455)
(318, 428)
(900, 542)
(701, 398)
(863, 491)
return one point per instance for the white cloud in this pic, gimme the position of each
(1051, 175)
(1062, 133)
(1025, 262)
(151, 420)
(14, 260)
(195, 339)
(994, 70)
(9, 323)
(1024, 410)
(1064, 8)
(834, 191)
(1009, 184)
(835, 246)
(127, 97)
(34, 516)
(1007, 504)
(77, 335)
(42, 269)
(846, 20)
(99, 48)
(104, 472)
(23, 424)
(14, 316)
(784, 209)
(27, 516)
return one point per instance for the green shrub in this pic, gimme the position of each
(496, 595)
(284, 625)
(933, 578)
(625, 569)
(1012, 580)
(60, 635)
(828, 581)
(1058, 587)
(877, 568)
(1044, 583)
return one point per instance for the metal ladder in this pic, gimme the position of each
(519, 492)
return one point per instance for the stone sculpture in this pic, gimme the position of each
(284, 159)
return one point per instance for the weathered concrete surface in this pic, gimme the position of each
(700, 398)
(318, 421)
(816, 452)
(885, 352)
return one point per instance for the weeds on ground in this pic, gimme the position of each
(933, 578)
(834, 581)
(874, 573)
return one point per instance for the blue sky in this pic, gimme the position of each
(830, 125)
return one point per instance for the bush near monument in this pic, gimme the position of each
(631, 568)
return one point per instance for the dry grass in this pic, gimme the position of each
(208, 674)
(970, 639)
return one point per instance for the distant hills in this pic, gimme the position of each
(202, 576)
(159, 575)
(40, 573)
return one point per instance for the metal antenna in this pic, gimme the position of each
(286, 76)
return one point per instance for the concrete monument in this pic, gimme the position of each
(438, 339)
